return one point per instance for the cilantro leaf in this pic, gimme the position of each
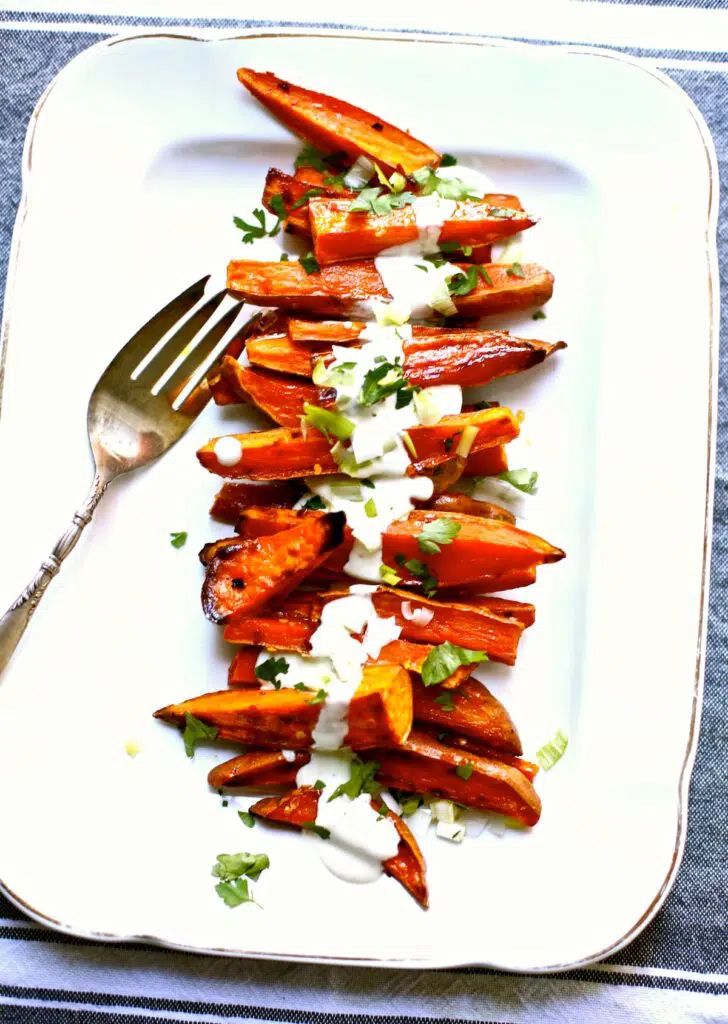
(361, 780)
(196, 732)
(423, 573)
(448, 160)
(441, 662)
(279, 207)
(247, 818)
(309, 264)
(410, 805)
(525, 480)
(284, 258)
(311, 826)
(319, 698)
(383, 380)
(448, 188)
(538, 315)
(319, 785)
(515, 270)
(236, 865)
(303, 687)
(465, 282)
(315, 503)
(445, 700)
(464, 771)
(311, 156)
(251, 232)
(235, 893)
(435, 533)
(376, 200)
(269, 670)
(178, 539)
(308, 194)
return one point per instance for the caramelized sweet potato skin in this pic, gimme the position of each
(326, 332)
(422, 765)
(449, 739)
(339, 234)
(301, 806)
(477, 627)
(475, 712)
(279, 352)
(287, 452)
(340, 288)
(380, 713)
(335, 125)
(243, 577)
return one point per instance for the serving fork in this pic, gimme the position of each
(145, 400)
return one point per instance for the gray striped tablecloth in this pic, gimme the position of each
(677, 970)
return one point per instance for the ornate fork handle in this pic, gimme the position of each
(16, 618)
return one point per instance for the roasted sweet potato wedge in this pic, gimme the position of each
(233, 498)
(288, 452)
(301, 806)
(294, 192)
(335, 126)
(470, 710)
(380, 713)
(433, 356)
(482, 547)
(327, 332)
(243, 577)
(283, 398)
(464, 505)
(450, 739)
(340, 289)
(477, 627)
(423, 765)
(339, 234)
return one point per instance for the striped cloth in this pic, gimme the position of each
(677, 970)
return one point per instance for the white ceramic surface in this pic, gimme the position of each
(139, 155)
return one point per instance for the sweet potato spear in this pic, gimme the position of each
(242, 577)
(470, 709)
(294, 192)
(380, 713)
(335, 125)
(339, 234)
(288, 452)
(342, 289)
(423, 765)
(301, 806)
(433, 356)
(234, 497)
(461, 503)
(282, 398)
(482, 547)
(450, 739)
(476, 627)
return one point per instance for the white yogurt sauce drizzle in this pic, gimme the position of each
(375, 492)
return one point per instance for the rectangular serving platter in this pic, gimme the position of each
(137, 158)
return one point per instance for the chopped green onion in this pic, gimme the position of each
(247, 818)
(553, 751)
(389, 576)
(328, 422)
(370, 508)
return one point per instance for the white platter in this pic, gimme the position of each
(137, 158)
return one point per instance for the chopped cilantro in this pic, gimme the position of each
(445, 700)
(465, 282)
(525, 480)
(270, 669)
(251, 232)
(515, 270)
(178, 539)
(423, 573)
(284, 258)
(319, 785)
(464, 771)
(361, 780)
(370, 508)
(448, 160)
(538, 315)
(196, 732)
(435, 533)
(309, 264)
(237, 865)
(311, 156)
(444, 659)
(247, 818)
(316, 503)
(376, 200)
(319, 698)
(320, 831)
(234, 893)
(308, 194)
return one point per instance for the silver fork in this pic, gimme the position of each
(144, 401)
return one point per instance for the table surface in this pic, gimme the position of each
(677, 970)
